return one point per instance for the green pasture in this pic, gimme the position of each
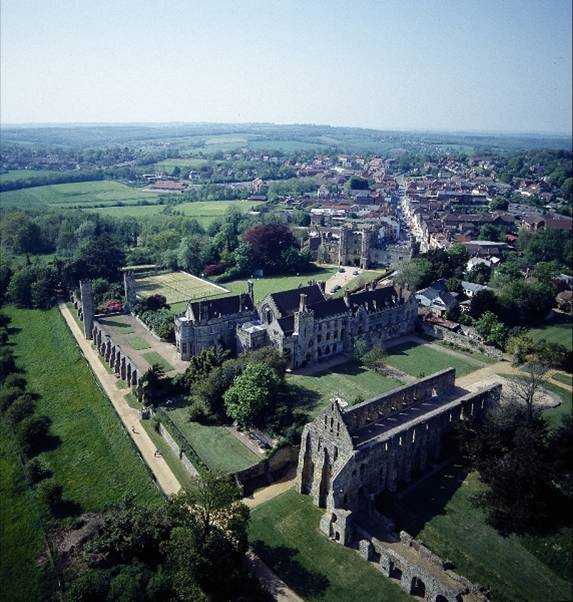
(77, 194)
(17, 175)
(92, 455)
(557, 331)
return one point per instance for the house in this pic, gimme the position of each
(471, 288)
(485, 248)
(436, 298)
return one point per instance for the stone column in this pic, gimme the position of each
(87, 307)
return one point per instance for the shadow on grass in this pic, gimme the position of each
(67, 509)
(417, 506)
(280, 559)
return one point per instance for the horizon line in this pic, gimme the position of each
(289, 124)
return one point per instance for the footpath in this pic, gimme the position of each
(159, 467)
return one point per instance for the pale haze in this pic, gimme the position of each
(456, 66)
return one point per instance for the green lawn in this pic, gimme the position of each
(555, 415)
(215, 445)
(21, 531)
(168, 165)
(274, 284)
(422, 360)
(92, 456)
(152, 357)
(77, 194)
(347, 380)
(138, 343)
(558, 331)
(284, 533)
(439, 511)
(16, 175)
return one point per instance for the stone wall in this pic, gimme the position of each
(187, 464)
(466, 342)
(267, 471)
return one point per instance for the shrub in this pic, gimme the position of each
(50, 493)
(15, 380)
(199, 412)
(7, 363)
(22, 407)
(37, 470)
(33, 432)
(8, 395)
(91, 586)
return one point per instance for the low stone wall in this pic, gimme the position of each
(267, 471)
(187, 464)
(466, 342)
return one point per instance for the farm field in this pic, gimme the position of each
(22, 532)
(215, 445)
(556, 332)
(16, 175)
(284, 534)
(347, 380)
(420, 360)
(168, 165)
(439, 511)
(273, 284)
(177, 287)
(75, 195)
(93, 458)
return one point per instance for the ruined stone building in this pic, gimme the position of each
(308, 327)
(213, 322)
(349, 456)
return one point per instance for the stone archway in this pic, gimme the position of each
(417, 588)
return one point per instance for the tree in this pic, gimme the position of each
(268, 243)
(189, 254)
(359, 349)
(22, 407)
(498, 203)
(33, 432)
(251, 395)
(415, 274)
(37, 470)
(90, 586)
(50, 493)
(491, 329)
(525, 389)
(483, 301)
(152, 385)
(374, 359)
(454, 285)
(520, 346)
(7, 363)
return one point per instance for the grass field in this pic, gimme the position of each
(562, 377)
(284, 533)
(422, 360)
(556, 332)
(215, 445)
(93, 457)
(168, 165)
(439, 511)
(16, 175)
(21, 532)
(273, 284)
(177, 287)
(152, 357)
(80, 194)
(139, 343)
(347, 381)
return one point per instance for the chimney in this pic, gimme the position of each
(302, 302)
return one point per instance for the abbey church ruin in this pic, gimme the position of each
(349, 456)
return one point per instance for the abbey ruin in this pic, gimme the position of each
(350, 455)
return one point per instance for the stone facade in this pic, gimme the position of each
(348, 457)
(87, 305)
(213, 322)
(307, 327)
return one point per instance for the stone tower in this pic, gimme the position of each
(130, 290)
(87, 298)
(343, 246)
(365, 248)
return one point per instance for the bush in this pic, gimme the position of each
(50, 493)
(37, 470)
(22, 407)
(200, 412)
(33, 432)
(91, 586)
(15, 380)
(7, 363)
(8, 395)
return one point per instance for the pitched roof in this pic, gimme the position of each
(225, 306)
(287, 302)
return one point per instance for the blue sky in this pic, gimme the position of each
(490, 65)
